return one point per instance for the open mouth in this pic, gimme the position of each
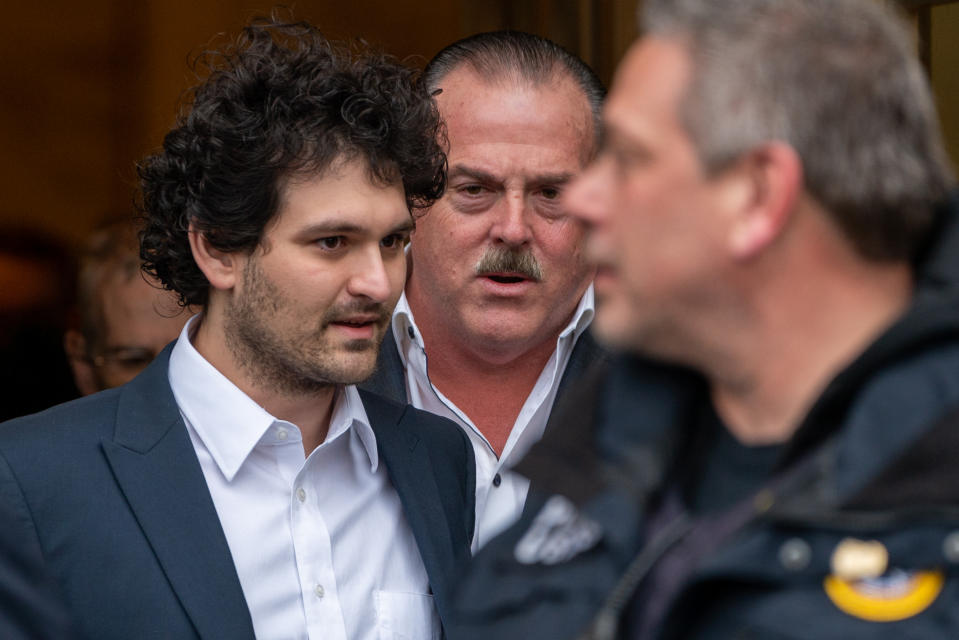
(506, 279)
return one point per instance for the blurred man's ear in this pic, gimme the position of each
(774, 174)
(84, 375)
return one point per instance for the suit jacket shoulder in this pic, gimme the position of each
(109, 492)
(388, 380)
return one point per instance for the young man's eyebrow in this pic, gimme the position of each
(406, 226)
(347, 227)
(332, 226)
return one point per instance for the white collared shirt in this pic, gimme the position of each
(500, 493)
(321, 544)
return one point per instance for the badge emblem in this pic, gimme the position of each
(558, 533)
(895, 596)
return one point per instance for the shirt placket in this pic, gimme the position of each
(313, 549)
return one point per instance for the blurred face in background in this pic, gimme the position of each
(134, 319)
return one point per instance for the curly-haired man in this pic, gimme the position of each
(242, 486)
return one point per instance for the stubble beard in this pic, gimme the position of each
(293, 363)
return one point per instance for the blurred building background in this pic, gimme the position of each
(89, 87)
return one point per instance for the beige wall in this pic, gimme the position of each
(89, 87)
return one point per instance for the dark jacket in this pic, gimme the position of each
(108, 492)
(875, 460)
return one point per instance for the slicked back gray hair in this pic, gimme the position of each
(840, 82)
(513, 57)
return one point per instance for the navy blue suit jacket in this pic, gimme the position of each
(108, 491)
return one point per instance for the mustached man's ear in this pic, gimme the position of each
(221, 268)
(773, 173)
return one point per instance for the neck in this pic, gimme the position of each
(310, 411)
(798, 342)
(488, 382)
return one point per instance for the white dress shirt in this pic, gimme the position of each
(500, 493)
(320, 543)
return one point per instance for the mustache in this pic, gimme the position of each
(503, 260)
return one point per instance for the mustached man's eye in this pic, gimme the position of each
(550, 193)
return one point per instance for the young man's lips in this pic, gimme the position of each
(359, 328)
(357, 320)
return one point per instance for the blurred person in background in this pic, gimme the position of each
(125, 317)
(36, 299)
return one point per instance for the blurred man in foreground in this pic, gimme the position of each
(492, 327)
(125, 317)
(777, 457)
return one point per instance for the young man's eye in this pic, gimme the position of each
(331, 243)
(394, 241)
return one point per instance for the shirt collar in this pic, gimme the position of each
(230, 423)
(407, 333)
(349, 412)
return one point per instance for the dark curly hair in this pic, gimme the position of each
(279, 101)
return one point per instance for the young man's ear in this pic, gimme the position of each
(773, 174)
(221, 268)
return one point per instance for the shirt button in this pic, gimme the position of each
(497, 481)
(795, 554)
(950, 547)
(411, 333)
(281, 434)
(319, 591)
(301, 494)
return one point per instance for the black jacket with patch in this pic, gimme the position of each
(876, 460)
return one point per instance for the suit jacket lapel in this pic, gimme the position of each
(587, 356)
(388, 380)
(156, 467)
(586, 353)
(411, 472)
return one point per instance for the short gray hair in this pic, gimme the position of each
(839, 81)
(516, 56)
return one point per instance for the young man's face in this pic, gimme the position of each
(314, 299)
(513, 148)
